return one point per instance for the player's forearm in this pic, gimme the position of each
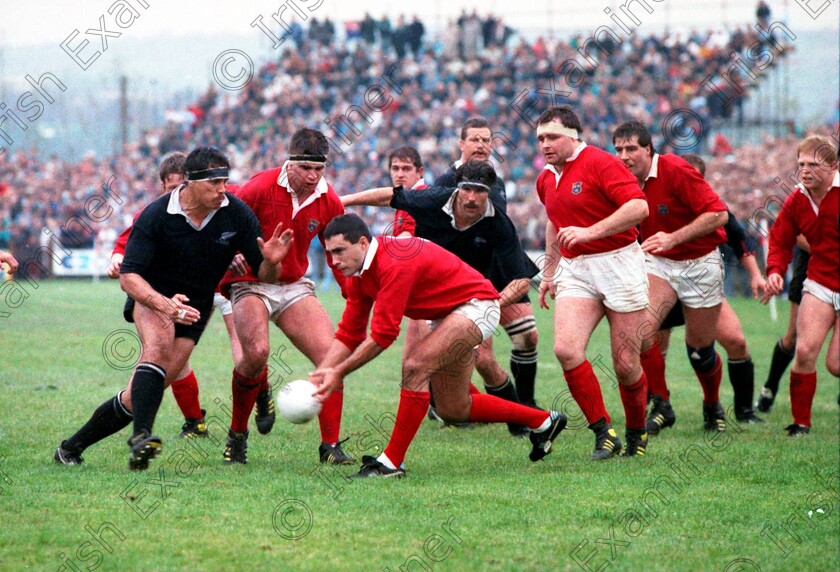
(552, 251)
(750, 264)
(268, 272)
(380, 197)
(704, 224)
(142, 292)
(628, 215)
(366, 351)
(802, 243)
(514, 291)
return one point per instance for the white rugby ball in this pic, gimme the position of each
(296, 402)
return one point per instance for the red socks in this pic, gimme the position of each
(185, 391)
(245, 390)
(329, 419)
(803, 386)
(710, 381)
(585, 389)
(410, 414)
(634, 399)
(491, 409)
(654, 365)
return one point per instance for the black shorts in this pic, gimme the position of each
(675, 317)
(192, 331)
(800, 269)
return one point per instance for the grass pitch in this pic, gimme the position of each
(751, 499)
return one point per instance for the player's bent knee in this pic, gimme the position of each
(735, 346)
(568, 357)
(702, 359)
(833, 366)
(523, 334)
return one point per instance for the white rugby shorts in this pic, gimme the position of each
(698, 282)
(616, 278)
(276, 297)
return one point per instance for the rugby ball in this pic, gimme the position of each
(296, 402)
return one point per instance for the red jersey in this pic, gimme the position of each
(272, 201)
(427, 285)
(820, 225)
(677, 194)
(404, 222)
(591, 186)
(122, 239)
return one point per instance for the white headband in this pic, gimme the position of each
(557, 129)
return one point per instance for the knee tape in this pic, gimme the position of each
(702, 359)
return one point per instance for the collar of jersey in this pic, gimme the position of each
(283, 180)
(174, 207)
(804, 191)
(374, 246)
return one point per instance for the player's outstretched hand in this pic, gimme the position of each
(114, 268)
(326, 379)
(659, 242)
(182, 313)
(568, 236)
(238, 265)
(775, 283)
(758, 285)
(546, 287)
(275, 249)
(8, 259)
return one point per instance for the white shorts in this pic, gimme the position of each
(276, 297)
(222, 304)
(484, 314)
(698, 282)
(616, 278)
(822, 294)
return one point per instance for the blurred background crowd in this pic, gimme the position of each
(427, 87)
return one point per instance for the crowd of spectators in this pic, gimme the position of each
(381, 86)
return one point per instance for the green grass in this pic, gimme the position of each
(472, 500)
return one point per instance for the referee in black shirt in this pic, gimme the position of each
(468, 224)
(179, 249)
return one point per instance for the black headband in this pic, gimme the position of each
(309, 158)
(208, 174)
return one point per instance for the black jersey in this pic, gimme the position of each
(176, 258)
(491, 245)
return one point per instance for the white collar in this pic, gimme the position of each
(449, 208)
(371, 252)
(834, 183)
(320, 189)
(654, 167)
(420, 183)
(174, 207)
(553, 169)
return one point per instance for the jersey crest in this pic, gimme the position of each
(313, 225)
(577, 188)
(662, 209)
